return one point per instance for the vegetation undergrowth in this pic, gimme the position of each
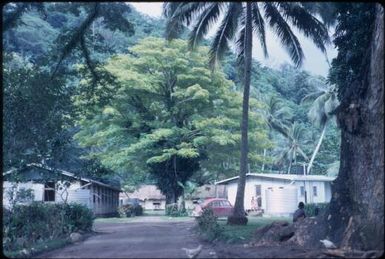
(38, 248)
(213, 229)
(39, 224)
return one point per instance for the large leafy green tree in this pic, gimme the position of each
(238, 23)
(165, 113)
(35, 117)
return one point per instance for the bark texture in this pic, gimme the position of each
(238, 216)
(355, 217)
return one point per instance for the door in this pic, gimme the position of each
(258, 196)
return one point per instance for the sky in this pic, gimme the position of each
(315, 61)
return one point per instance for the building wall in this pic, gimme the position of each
(323, 193)
(149, 205)
(104, 200)
(100, 199)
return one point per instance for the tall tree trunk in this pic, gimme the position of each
(238, 216)
(355, 216)
(358, 195)
(317, 148)
(264, 156)
(289, 169)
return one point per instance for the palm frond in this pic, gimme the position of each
(311, 97)
(225, 32)
(240, 42)
(317, 113)
(207, 18)
(306, 23)
(12, 17)
(168, 8)
(283, 31)
(326, 10)
(331, 104)
(180, 14)
(259, 27)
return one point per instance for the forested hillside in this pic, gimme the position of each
(290, 110)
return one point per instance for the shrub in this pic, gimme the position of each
(80, 217)
(129, 210)
(138, 210)
(26, 225)
(173, 210)
(208, 224)
(125, 211)
(311, 208)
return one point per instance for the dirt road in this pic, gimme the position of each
(145, 237)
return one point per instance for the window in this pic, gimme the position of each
(156, 205)
(314, 191)
(258, 190)
(302, 189)
(49, 191)
(225, 204)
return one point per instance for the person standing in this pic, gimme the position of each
(253, 204)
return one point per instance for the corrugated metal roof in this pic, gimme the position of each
(290, 177)
(65, 173)
(208, 190)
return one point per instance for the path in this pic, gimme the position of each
(145, 237)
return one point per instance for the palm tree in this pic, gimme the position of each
(321, 112)
(238, 23)
(277, 116)
(295, 136)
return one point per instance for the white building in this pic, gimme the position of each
(57, 186)
(308, 189)
(149, 197)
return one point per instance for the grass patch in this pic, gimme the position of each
(37, 248)
(241, 234)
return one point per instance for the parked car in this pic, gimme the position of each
(221, 207)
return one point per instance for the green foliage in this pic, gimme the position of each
(355, 23)
(173, 210)
(208, 225)
(129, 210)
(165, 114)
(38, 222)
(310, 208)
(36, 113)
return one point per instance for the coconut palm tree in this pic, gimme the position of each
(239, 21)
(296, 138)
(325, 102)
(277, 116)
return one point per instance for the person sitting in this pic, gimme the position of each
(300, 212)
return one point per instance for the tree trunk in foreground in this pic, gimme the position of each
(358, 196)
(238, 216)
(355, 217)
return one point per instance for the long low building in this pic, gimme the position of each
(280, 193)
(57, 186)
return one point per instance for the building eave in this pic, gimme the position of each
(291, 177)
(66, 173)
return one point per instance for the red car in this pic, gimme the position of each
(221, 207)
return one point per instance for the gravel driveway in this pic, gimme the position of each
(144, 237)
